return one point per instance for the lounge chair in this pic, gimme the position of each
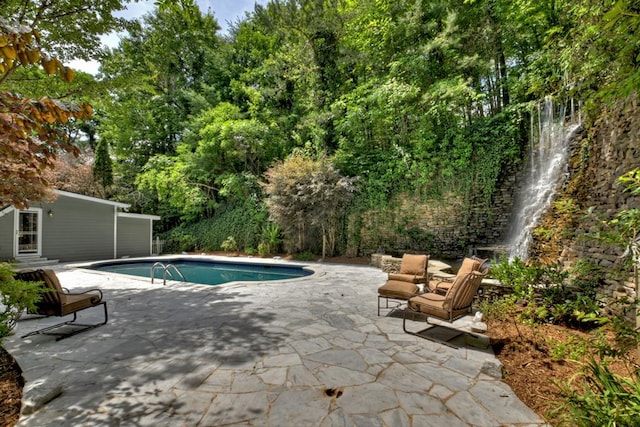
(403, 285)
(57, 301)
(447, 301)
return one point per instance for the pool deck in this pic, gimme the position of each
(306, 352)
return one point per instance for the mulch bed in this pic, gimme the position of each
(11, 383)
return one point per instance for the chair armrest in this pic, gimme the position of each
(86, 292)
(93, 290)
(448, 278)
(443, 287)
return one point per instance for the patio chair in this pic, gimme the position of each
(447, 301)
(58, 301)
(403, 285)
(441, 285)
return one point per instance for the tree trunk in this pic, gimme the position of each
(324, 243)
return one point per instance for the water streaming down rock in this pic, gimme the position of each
(552, 127)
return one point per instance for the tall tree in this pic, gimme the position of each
(158, 81)
(102, 165)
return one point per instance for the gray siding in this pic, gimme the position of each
(7, 226)
(134, 237)
(79, 230)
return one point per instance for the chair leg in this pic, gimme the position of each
(386, 306)
(421, 332)
(82, 326)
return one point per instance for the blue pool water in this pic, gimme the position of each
(205, 272)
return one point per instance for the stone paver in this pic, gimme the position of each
(305, 352)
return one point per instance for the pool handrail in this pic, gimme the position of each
(165, 269)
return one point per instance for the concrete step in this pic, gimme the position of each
(34, 262)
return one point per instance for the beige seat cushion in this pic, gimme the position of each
(427, 303)
(411, 278)
(76, 302)
(414, 264)
(398, 289)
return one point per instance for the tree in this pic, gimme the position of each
(72, 27)
(302, 192)
(74, 174)
(34, 131)
(157, 83)
(31, 131)
(102, 166)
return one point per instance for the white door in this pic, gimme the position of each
(29, 233)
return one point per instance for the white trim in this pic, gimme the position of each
(16, 230)
(115, 232)
(5, 211)
(92, 199)
(139, 216)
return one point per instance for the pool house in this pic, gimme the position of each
(74, 227)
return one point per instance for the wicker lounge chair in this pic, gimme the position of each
(60, 302)
(447, 300)
(403, 285)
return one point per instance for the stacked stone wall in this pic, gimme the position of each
(607, 148)
(449, 228)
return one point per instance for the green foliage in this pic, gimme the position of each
(15, 297)
(271, 239)
(102, 165)
(263, 249)
(425, 98)
(553, 294)
(304, 256)
(307, 196)
(601, 397)
(178, 242)
(73, 28)
(573, 348)
(229, 244)
(244, 221)
(500, 309)
(518, 276)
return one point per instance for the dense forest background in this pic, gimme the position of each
(314, 121)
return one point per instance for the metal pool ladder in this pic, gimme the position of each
(166, 269)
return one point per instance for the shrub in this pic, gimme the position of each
(244, 221)
(229, 245)
(263, 249)
(15, 297)
(553, 294)
(304, 256)
(271, 237)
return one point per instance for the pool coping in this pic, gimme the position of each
(315, 269)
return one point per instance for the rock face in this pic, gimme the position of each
(447, 228)
(607, 148)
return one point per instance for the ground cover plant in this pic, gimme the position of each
(569, 354)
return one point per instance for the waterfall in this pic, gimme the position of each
(552, 127)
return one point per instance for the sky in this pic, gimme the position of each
(225, 12)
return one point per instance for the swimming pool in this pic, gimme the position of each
(204, 272)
